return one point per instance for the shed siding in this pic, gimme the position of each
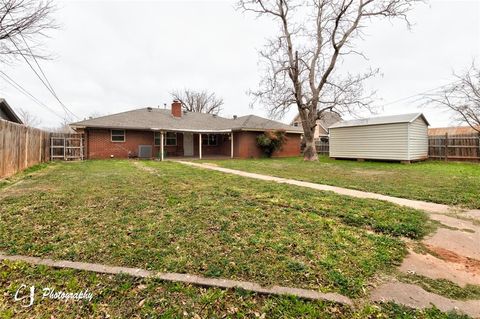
(418, 139)
(385, 141)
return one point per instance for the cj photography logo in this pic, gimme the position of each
(26, 295)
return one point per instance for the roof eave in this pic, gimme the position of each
(265, 129)
(10, 111)
(423, 117)
(150, 129)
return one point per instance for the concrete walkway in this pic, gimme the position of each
(426, 206)
(455, 242)
(184, 278)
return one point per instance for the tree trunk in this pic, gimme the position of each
(310, 152)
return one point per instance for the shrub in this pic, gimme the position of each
(271, 141)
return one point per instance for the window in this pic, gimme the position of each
(209, 139)
(295, 124)
(118, 135)
(169, 139)
(157, 138)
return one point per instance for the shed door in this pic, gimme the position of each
(145, 151)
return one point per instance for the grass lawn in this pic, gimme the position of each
(452, 183)
(182, 219)
(127, 297)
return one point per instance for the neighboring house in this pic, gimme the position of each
(453, 130)
(7, 113)
(326, 120)
(140, 132)
(397, 137)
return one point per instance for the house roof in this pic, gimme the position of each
(453, 130)
(326, 120)
(162, 119)
(390, 119)
(8, 111)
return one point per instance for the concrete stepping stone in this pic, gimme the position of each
(416, 297)
(432, 267)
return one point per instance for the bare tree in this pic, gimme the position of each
(63, 127)
(462, 97)
(198, 101)
(303, 61)
(23, 21)
(28, 118)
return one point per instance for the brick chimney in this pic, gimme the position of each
(177, 108)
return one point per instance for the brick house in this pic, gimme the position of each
(152, 132)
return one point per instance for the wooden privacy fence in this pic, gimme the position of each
(322, 147)
(21, 147)
(454, 147)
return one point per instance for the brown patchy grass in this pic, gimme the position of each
(184, 219)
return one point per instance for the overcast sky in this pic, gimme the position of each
(112, 56)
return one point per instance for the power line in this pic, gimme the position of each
(43, 82)
(22, 90)
(49, 85)
(418, 94)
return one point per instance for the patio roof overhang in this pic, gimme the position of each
(191, 131)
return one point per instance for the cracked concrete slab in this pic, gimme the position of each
(474, 214)
(184, 278)
(453, 222)
(463, 243)
(416, 297)
(429, 266)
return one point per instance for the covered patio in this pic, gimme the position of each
(194, 144)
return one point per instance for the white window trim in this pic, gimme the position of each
(124, 136)
(208, 140)
(165, 138)
(155, 137)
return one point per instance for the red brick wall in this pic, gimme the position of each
(99, 145)
(245, 145)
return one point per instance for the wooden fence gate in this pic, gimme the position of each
(66, 146)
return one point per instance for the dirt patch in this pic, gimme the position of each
(363, 172)
(145, 168)
(460, 242)
(458, 269)
(471, 265)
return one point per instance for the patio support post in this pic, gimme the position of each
(200, 145)
(161, 146)
(231, 145)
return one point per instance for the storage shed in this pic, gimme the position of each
(397, 137)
